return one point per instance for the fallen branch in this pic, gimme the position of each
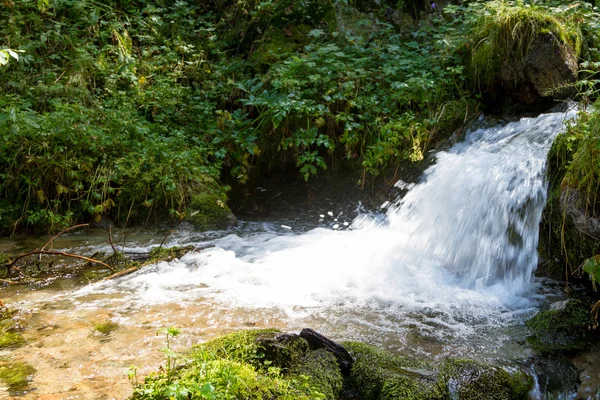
(123, 273)
(110, 239)
(138, 267)
(61, 232)
(165, 238)
(57, 253)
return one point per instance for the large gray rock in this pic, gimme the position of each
(547, 70)
(551, 67)
(575, 208)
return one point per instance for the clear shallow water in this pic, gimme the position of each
(446, 270)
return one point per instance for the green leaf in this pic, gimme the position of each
(592, 267)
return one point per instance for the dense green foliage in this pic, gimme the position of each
(131, 108)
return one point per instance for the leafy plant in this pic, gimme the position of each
(170, 334)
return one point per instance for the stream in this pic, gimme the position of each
(447, 269)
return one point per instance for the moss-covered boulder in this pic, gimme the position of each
(564, 326)
(467, 379)
(208, 211)
(524, 54)
(257, 364)
(267, 364)
(378, 375)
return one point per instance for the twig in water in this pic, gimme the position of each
(57, 253)
(165, 238)
(61, 232)
(110, 239)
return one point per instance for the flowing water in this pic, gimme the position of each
(446, 270)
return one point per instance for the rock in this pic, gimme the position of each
(546, 71)
(295, 356)
(559, 305)
(574, 207)
(207, 211)
(318, 341)
(377, 375)
(466, 379)
(551, 67)
(557, 377)
(569, 231)
(284, 350)
(564, 326)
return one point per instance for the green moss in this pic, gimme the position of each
(168, 253)
(241, 346)
(11, 339)
(11, 325)
(277, 45)
(106, 327)
(574, 172)
(469, 380)
(283, 350)
(207, 211)
(381, 375)
(253, 365)
(16, 375)
(234, 367)
(561, 329)
(507, 31)
(323, 370)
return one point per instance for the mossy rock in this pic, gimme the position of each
(207, 211)
(169, 253)
(293, 354)
(564, 326)
(235, 367)
(378, 375)
(470, 380)
(278, 44)
(266, 364)
(283, 350)
(323, 370)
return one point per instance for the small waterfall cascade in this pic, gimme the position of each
(477, 211)
(455, 254)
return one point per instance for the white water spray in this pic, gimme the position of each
(454, 253)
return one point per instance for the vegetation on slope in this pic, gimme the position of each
(130, 109)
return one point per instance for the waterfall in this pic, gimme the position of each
(456, 252)
(477, 211)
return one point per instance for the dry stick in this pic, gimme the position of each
(137, 267)
(123, 272)
(110, 239)
(10, 283)
(60, 233)
(58, 253)
(165, 238)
